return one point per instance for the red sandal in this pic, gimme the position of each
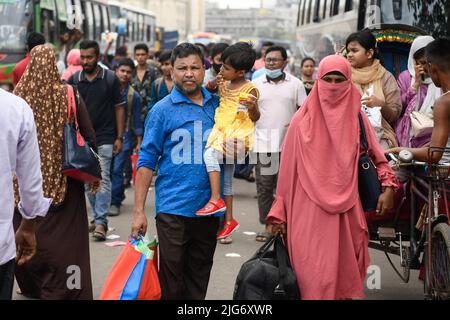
(212, 207)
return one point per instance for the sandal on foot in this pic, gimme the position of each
(262, 237)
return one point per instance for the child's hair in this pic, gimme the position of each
(438, 53)
(240, 56)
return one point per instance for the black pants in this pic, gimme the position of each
(7, 280)
(186, 247)
(267, 167)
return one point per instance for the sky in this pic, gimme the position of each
(242, 3)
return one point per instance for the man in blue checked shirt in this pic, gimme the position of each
(133, 126)
(176, 131)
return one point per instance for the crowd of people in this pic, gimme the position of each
(196, 118)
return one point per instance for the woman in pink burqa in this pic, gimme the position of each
(317, 204)
(74, 64)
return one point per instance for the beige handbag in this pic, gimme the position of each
(421, 124)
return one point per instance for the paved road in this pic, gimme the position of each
(226, 268)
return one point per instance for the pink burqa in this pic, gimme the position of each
(317, 191)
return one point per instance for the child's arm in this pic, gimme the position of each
(252, 105)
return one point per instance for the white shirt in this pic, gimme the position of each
(277, 103)
(20, 155)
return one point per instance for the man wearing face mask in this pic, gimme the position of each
(281, 95)
(216, 55)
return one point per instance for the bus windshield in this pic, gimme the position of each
(15, 15)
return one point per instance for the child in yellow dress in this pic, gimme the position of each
(234, 121)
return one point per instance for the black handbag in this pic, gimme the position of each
(267, 275)
(369, 186)
(80, 162)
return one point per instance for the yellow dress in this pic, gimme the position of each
(227, 124)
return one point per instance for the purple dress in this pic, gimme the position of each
(410, 100)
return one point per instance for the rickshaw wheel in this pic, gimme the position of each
(440, 262)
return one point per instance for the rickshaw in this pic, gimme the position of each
(418, 229)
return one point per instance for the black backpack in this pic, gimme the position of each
(267, 275)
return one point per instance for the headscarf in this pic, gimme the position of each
(328, 139)
(433, 93)
(41, 88)
(74, 64)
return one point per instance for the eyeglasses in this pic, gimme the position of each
(274, 60)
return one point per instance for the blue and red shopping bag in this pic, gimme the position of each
(134, 275)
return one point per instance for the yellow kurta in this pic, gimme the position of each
(227, 125)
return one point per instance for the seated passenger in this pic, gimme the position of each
(418, 93)
(438, 58)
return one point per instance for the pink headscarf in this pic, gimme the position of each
(327, 133)
(74, 64)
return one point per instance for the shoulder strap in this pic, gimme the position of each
(362, 134)
(158, 83)
(110, 77)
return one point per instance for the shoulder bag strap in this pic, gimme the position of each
(72, 108)
(362, 135)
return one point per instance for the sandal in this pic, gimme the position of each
(99, 233)
(227, 240)
(262, 237)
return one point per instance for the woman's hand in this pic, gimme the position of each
(274, 229)
(372, 101)
(420, 72)
(94, 186)
(385, 201)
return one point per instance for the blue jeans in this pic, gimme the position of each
(212, 159)
(118, 189)
(101, 201)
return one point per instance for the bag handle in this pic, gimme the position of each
(71, 105)
(362, 135)
(282, 259)
(72, 108)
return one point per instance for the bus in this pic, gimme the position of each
(94, 18)
(323, 26)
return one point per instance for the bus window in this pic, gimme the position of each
(348, 5)
(324, 14)
(299, 13)
(97, 22)
(89, 19)
(334, 8)
(105, 19)
(316, 17)
(48, 25)
(308, 19)
(114, 17)
(303, 12)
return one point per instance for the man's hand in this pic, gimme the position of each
(118, 144)
(385, 201)
(372, 101)
(274, 229)
(393, 150)
(94, 186)
(139, 224)
(25, 242)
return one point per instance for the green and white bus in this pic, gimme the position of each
(51, 17)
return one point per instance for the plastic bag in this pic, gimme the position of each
(134, 275)
(373, 114)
